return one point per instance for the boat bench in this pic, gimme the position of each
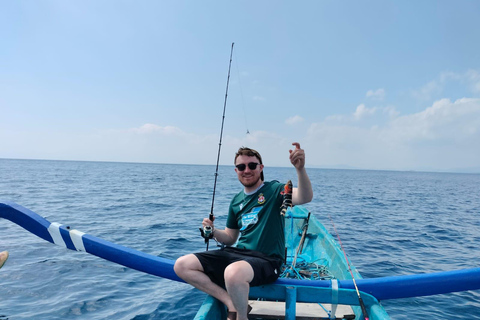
(304, 311)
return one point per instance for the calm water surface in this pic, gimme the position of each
(391, 223)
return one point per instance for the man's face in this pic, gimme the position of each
(248, 177)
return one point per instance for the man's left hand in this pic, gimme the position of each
(297, 156)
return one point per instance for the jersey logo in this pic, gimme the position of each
(250, 218)
(261, 199)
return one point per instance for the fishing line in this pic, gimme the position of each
(360, 300)
(207, 231)
(241, 95)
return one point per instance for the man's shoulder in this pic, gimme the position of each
(238, 196)
(274, 186)
(274, 183)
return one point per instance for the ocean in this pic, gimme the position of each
(391, 223)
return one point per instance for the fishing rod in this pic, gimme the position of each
(360, 300)
(207, 231)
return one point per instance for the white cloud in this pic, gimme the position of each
(444, 135)
(147, 143)
(391, 111)
(363, 111)
(444, 121)
(258, 98)
(336, 118)
(435, 88)
(473, 78)
(428, 91)
(378, 94)
(149, 128)
(294, 120)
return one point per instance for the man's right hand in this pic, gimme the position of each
(207, 222)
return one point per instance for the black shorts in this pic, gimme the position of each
(265, 269)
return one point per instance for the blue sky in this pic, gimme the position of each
(389, 85)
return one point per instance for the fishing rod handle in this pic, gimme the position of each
(207, 231)
(364, 309)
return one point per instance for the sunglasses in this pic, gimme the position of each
(251, 166)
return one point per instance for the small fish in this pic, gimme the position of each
(287, 197)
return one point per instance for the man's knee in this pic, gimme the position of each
(238, 272)
(185, 264)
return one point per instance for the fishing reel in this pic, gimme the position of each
(207, 231)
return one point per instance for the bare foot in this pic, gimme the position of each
(3, 257)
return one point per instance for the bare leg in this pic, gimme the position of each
(238, 276)
(190, 269)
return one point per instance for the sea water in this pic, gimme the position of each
(391, 223)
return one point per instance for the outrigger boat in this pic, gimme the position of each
(315, 275)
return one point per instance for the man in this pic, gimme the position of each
(254, 214)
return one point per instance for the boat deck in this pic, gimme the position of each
(304, 311)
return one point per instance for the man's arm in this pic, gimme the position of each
(227, 236)
(303, 193)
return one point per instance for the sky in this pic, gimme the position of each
(382, 85)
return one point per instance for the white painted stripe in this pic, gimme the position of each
(54, 230)
(77, 239)
(334, 297)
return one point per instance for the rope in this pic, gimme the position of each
(306, 271)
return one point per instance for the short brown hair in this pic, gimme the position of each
(244, 151)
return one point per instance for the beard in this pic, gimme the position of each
(249, 183)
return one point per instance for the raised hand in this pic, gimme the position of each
(297, 156)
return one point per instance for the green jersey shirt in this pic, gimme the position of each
(258, 218)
